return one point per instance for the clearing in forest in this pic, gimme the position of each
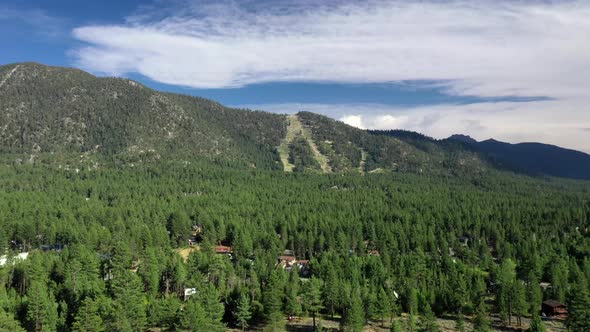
(185, 252)
(295, 129)
(363, 161)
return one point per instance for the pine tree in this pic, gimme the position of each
(8, 323)
(179, 228)
(396, 326)
(354, 318)
(428, 322)
(481, 322)
(460, 324)
(537, 324)
(214, 309)
(128, 293)
(505, 280)
(312, 297)
(87, 318)
(41, 308)
(273, 298)
(194, 317)
(413, 301)
(534, 295)
(411, 323)
(331, 291)
(579, 308)
(520, 305)
(168, 310)
(382, 305)
(243, 312)
(292, 302)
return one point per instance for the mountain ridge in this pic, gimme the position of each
(58, 111)
(48, 112)
(533, 157)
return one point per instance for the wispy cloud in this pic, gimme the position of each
(477, 48)
(484, 48)
(42, 22)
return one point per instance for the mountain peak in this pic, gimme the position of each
(463, 138)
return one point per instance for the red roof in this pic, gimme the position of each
(222, 249)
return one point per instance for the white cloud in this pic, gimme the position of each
(483, 48)
(354, 120)
(489, 48)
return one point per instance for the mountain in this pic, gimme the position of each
(50, 113)
(534, 158)
(70, 117)
(60, 110)
(463, 138)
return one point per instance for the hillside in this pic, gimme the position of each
(59, 110)
(533, 158)
(52, 112)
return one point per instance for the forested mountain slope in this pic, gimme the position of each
(528, 158)
(534, 158)
(60, 111)
(53, 114)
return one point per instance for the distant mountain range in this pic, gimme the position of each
(535, 158)
(72, 118)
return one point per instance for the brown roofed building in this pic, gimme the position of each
(223, 250)
(554, 309)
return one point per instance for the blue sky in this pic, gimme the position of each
(515, 71)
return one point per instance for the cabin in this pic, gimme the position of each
(53, 247)
(287, 261)
(223, 249)
(554, 309)
(195, 235)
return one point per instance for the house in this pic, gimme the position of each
(52, 247)
(287, 261)
(554, 309)
(195, 235)
(223, 249)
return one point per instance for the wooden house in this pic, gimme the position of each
(554, 309)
